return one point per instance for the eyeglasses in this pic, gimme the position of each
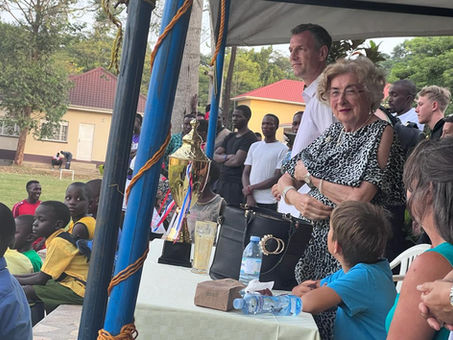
(350, 92)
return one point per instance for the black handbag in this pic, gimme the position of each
(286, 241)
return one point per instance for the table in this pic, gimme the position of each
(165, 310)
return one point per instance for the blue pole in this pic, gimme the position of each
(109, 212)
(215, 97)
(156, 124)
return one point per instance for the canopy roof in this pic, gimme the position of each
(264, 22)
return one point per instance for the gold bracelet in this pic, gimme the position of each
(320, 186)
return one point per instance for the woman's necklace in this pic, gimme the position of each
(342, 132)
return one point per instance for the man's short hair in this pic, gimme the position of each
(449, 119)
(60, 210)
(140, 118)
(274, 117)
(33, 181)
(7, 228)
(319, 33)
(407, 85)
(438, 94)
(245, 111)
(362, 230)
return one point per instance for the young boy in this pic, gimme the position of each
(95, 188)
(64, 272)
(78, 199)
(363, 289)
(15, 320)
(24, 238)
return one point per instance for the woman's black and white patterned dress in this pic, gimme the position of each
(346, 158)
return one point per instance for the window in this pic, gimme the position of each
(59, 133)
(9, 129)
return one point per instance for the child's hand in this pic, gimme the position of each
(305, 287)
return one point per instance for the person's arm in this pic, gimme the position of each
(219, 155)
(80, 230)
(38, 278)
(428, 266)
(246, 180)
(267, 183)
(236, 159)
(319, 300)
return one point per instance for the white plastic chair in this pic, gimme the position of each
(404, 260)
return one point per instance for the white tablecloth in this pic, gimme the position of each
(165, 310)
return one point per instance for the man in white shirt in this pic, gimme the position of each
(262, 166)
(401, 97)
(309, 47)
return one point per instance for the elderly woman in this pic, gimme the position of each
(358, 158)
(428, 176)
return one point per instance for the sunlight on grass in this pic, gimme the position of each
(12, 187)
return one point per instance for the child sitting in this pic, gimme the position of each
(363, 289)
(24, 238)
(209, 205)
(15, 320)
(64, 272)
(78, 199)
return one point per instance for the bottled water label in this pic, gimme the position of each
(251, 266)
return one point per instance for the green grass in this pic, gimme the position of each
(13, 180)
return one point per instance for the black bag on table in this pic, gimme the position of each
(237, 224)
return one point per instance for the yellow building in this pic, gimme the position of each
(282, 98)
(83, 129)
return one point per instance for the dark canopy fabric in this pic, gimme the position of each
(264, 22)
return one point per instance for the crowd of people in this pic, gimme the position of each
(350, 167)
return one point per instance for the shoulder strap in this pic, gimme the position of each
(68, 237)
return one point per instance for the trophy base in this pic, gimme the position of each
(176, 254)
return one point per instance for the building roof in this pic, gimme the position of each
(96, 89)
(283, 90)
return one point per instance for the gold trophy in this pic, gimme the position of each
(188, 171)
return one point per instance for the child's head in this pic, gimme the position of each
(7, 228)
(95, 189)
(49, 217)
(24, 236)
(77, 199)
(358, 232)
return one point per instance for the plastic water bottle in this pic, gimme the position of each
(251, 261)
(277, 305)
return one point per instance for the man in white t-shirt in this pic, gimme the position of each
(309, 47)
(401, 97)
(262, 166)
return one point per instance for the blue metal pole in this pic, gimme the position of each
(156, 124)
(215, 97)
(109, 213)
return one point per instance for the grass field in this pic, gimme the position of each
(13, 180)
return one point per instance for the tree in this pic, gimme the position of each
(34, 91)
(425, 61)
(187, 88)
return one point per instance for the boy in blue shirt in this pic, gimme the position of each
(15, 319)
(363, 289)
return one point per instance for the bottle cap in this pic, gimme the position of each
(255, 238)
(238, 303)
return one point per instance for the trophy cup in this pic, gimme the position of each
(188, 171)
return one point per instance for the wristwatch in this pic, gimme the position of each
(307, 179)
(285, 191)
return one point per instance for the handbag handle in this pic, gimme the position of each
(292, 230)
(249, 215)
